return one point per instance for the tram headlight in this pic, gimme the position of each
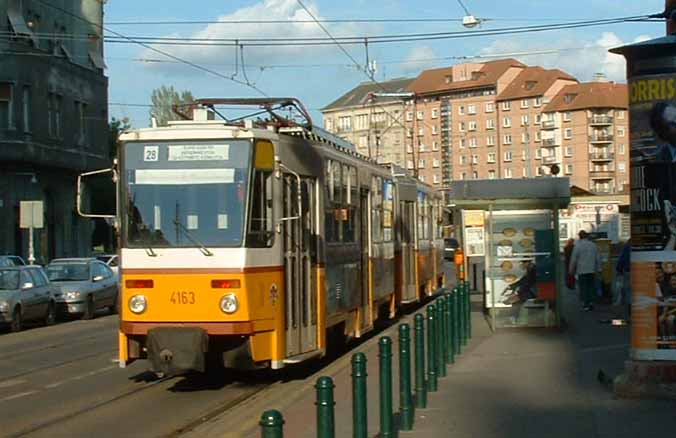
(229, 303)
(138, 304)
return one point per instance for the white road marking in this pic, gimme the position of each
(81, 376)
(19, 395)
(9, 383)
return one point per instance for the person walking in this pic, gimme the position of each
(585, 262)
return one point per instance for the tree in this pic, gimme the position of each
(163, 99)
(115, 127)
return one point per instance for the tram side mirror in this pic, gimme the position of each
(97, 194)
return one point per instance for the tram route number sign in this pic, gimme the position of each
(182, 297)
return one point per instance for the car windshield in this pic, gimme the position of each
(9, 279)
(185, 195)
(68, 272)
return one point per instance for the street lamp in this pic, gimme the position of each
(469, 20)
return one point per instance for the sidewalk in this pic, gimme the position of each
(510, 384)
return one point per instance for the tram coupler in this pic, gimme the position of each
(176, 350)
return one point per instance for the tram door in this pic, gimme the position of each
(364, 238)
(409, 290)
(299, 257)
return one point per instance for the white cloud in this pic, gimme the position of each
(583, 59)
(418, 59)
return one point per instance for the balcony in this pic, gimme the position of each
(550, 142)
(601, 174)
(601, 138)
(601, 191)
(551, 160)
(599, 120)
(548, 124)
(602, 156)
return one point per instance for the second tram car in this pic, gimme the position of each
(252, 242)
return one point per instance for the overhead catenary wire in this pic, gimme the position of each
(149, 47)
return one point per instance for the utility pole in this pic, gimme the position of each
(650, 372)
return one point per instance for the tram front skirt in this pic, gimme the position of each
(176, 350)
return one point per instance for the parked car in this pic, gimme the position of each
(450, 246)
(26, 295)
(112, 260)
(10, 260)
(86, 285)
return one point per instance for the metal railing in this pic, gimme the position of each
(602, 156)
(548, 124)
(601, 138)
(548, 142)
(600, 120)
(449, 328)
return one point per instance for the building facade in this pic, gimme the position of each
(371, 117)
(53, 119)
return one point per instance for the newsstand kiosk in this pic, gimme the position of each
(510, 233)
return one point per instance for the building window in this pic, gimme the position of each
(491, 174)
(524, 154)
(461, 126)
(409, 164)
(421, 147)
(567, 116)
(435, 113)
(409, 148)
(569, 151)
(525, 121)
(620, 132)
(422, 178)
(568, 133)
(490, 107)
(538, 119)
(472, 142)
(538, 154)
(463, 160)
(58, 102)
(421, 164)
(344, 123)
(475, 175)
(524, 103)
(490, 158)
(620, 114)
(461, 110)
(569, 169)
(363, 142)
(435, 162)
(7, 106)
(622, 166)
(508, 156)
(435, 145)
(463, 143)
(81, 111)
(26, 101)
(435, 130)
(421, 132)
(490, 124)
(538, 171)
(537, 102)
(538, 136)
(361, 121)
(463, 175)
(507, 122)
(471, 109)
(507, 139)
(506, 106)
(490, 140)
(420, 115)
(471, 125)
(524, 172)
(621, 149)
(409, 116)
(475, 159)
(409, 133)
(328, 124)
(525, 138)
(437, 180)
(508, 173)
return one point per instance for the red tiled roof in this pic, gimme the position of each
(533, 82)
(434, 81)
(590, 95)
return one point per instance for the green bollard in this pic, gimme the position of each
(272, 424)
(469, 313)
(466, 307)
(448, 339)
(457, 300)
(420, 384)
(454, 321)
(463, 309)
(406, 409)
(386, 417)
(359, 400)
(441, 354)
(432, 383)
(325, 406)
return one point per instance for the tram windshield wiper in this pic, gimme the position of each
(190, 237)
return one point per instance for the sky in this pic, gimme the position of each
(319, 75)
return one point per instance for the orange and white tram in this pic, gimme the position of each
(253, 241)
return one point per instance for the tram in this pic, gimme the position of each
(256, 241)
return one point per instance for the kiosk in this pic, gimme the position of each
(510, 233)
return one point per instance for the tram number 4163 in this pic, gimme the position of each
(182, 297)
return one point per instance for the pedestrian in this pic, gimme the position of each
(585, 262)
(567, 254)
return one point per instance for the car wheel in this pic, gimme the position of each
(50, 319)
(90, 309)
(17, 321)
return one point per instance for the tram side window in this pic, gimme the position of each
(377, 209)
(349, 215)
(421, 216)
(388, 207)
(260, 233)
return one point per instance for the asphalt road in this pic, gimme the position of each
(64, 381)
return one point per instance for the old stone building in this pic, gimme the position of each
(53, 119)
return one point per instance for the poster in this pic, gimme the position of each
(474, 241)
(653, 216)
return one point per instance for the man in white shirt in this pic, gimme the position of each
(585, 262)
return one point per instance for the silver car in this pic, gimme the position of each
(86, 285)
(26, 295)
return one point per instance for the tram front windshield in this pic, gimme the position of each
(187, 194)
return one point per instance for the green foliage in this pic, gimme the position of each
(116, 127)
(163, 99)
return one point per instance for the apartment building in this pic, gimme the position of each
(452, 121)
(370, 116)
(53, 119)
(586, 128)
